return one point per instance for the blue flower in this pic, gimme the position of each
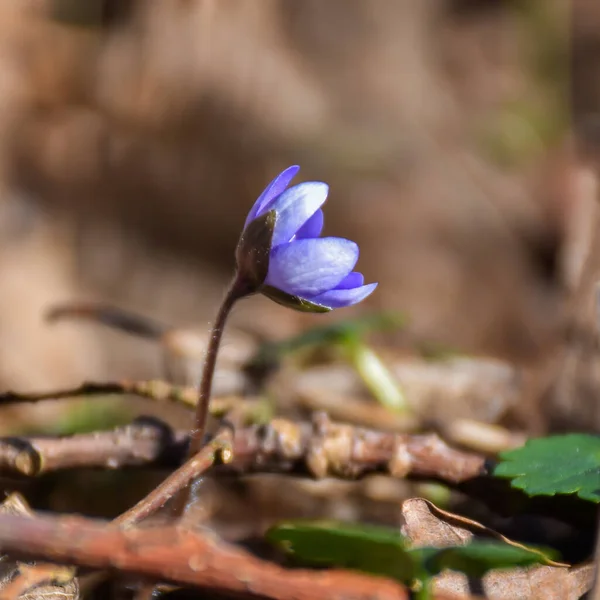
(296, 267)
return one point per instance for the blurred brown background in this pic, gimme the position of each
(135, 135)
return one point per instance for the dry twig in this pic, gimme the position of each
(178, 480)
(427, 525)
(181, 556)
(318, 449)
(19, 580)
(154, 389)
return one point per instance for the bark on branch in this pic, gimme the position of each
(181, 555)
(317, 449)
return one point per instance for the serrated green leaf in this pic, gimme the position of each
(562, 464)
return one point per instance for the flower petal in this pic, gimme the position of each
(338, 298)
(295, 207)
(353, 280)
(276, 187)
(311, 266)
(312, 228)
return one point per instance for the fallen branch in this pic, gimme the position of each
(181, 555)
(144, 442)
(318, 449)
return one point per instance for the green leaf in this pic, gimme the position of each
(562, 464)
(477, 558)
(376, 550)
(384, 551)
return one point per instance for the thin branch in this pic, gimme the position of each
(220, 446)
(147, 441)
(181, 555)
(154, 389)
(324, 448)
(158, 390)
(112, 316)
(85, 389)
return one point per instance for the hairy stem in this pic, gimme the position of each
(210, 361)
(186, 496)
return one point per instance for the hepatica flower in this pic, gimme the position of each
(282, 255)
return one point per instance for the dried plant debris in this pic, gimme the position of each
(423, 521)
(482, 437)
(427, 525)
(182, 555)
(33, 580)
(438, 392)
(385, 551)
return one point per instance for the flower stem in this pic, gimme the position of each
(185, 496)
(197, 434)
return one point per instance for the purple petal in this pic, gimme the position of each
(353, 280)
(339, 298)
(295, 207)
(311, 266)
(276, 187)
(312, 228)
